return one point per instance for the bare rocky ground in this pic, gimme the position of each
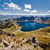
(10, 43)
(24, 47)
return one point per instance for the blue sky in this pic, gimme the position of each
(24, 7)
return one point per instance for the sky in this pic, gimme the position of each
(27, 7)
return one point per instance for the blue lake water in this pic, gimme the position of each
(31, 26)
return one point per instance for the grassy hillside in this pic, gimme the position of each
(13, 36)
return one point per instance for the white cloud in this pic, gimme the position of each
(2, 5)
(34, 11)
(27, 6)
(49, 11)
(14, 6)
(5, 3)
(11, 13)
(26, 10)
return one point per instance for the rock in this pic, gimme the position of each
(5, 44)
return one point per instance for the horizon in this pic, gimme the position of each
(26, 14)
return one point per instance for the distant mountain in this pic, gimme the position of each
(5, 17)
(19, 17)
(26, 18)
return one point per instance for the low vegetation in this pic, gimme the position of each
(11, 35)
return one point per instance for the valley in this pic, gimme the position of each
(13, 36)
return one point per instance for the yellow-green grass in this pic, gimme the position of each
(43, 34)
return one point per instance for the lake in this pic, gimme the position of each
(31, 26)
